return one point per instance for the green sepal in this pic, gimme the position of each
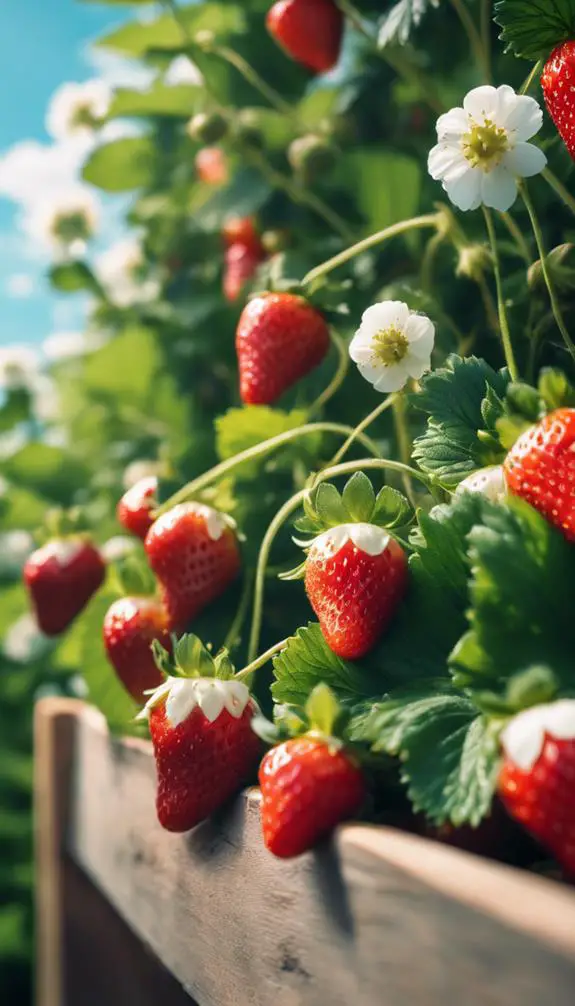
(323, 710)
(223, 667)
(297, 573)
(555, 389)
(329, 506)
(162, 659)
(392, 509)
(192, 659)
(532, 687)
(325, 507)
(358, 498)
(133, 577)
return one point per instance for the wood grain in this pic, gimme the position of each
(376, 918)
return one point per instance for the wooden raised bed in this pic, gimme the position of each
(375, 918)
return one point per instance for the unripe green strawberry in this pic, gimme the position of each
(207, 127)
(312, 157)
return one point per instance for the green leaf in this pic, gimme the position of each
(521, 611)
(386, 185)
(307, 661)
(328, 505)
(244, 196)
(16, 408)
(398, 23)
(122, 165)
(453, 396)
(139, 37)
(322, 709)
(533, 29)
(240, 429)
(112, 369)
(555, 389)
(358, 497)
(449, 753)
(49, 471)
(160, 100)
(392, 508)
(73, 276)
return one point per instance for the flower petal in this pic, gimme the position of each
(465, 191)
(498, 189)
(443, 158)
(481, 102)
(416, 366)
(525, 118)
(525, 160)
(384, 314)
(420, 332)
(451, 125)
(361, 348)
(370, 372)
(392, 378)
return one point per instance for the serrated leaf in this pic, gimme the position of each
(240, 429)
(452, 397)
(307, 661)
(521, 611)
(329, 506)
(392, 508)
(358, 497)
(398, 23)
(533, 29)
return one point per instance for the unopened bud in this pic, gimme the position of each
(473, 261)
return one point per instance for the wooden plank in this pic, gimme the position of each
(377, 918)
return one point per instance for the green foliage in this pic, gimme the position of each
(387, 186)
(532, 29)
(122, 165)
(307, 661)
(70, 277)
(398, 23)
(240, 429)
(138, 38)
(161, 100)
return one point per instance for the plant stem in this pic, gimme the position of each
(403, 440)
(286, 510)
(415, 223)
(485, 34)
(503, 322)
(428, 260)
(252, 76)
(254, 665)
(192, 488)
(531, 77)
(559, 189)
(475, 40)
(360, 428)
(557, 314)
(518, 236)
(235, 628)
(489, 305)
(339, 376)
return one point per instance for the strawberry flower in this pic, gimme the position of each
(392, 344)
(483, 148)
(78, 109)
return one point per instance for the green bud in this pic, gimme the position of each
(311, 157)
(207, 127)
(561, 268)
(474, 261)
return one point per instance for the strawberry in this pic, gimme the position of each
(130, 626)
(309, 784)
(241, 231)
(280, 338)
(557, 82)
(193, 550)
(203, 742)
(61, 578)
(134, 511)
(211, 166)
(310, 31)
(540, 468)
(355, 578)
(241, 262)
(536, 778)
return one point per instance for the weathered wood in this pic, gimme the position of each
(377, 918)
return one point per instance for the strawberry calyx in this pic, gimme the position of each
(63, 526)
(132, 577)
(322, 718)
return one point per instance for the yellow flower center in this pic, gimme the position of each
(84, 116)
(390, 346)
(73, 226)
(484, 145)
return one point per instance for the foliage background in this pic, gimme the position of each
(165, 370)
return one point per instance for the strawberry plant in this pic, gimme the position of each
(344, 316)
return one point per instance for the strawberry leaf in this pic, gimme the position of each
(521, 609)
(240, 429)
(308, 661)
(532, 29)
(449, 753)
(398, 23)
(450, 448)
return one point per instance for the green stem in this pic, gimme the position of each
(489, 305)
(503, 322)
(557, 314)
(559, 189)
(252, 76)
(531, 77)
(475, 40)
(360, 428)
(415, 223)
(485, 34)
(339, 376)
(428, 260)
(403, 440)
(248, 671)
(235, 628)
(289, 507)
(192, 488)
(518, 236)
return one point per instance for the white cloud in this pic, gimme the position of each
(116, 71)
(31, 171)
(20, 285)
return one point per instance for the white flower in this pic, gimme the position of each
(182, 71)
(483, 149)
(119, 269)
(117, 548)
(18, 367)
(143, 468)
(78, 109)
(523, 738)
(15, 547)
(65, 222)
(490, 482)
(392, 344)
(24, 641)
(45, 398)
(70, 345)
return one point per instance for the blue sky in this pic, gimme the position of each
(42, 44)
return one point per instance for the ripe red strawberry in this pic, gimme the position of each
(61, 578)
(241, 231)
(204, 746)
(211, 166)
(130, 626)
(558, 82)
(538, 773)
(308, 786)
(134, 511)
(355, 578)
(540, 468)
(193, 550)
(241, 262)
(280, 338)
(310, 31)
